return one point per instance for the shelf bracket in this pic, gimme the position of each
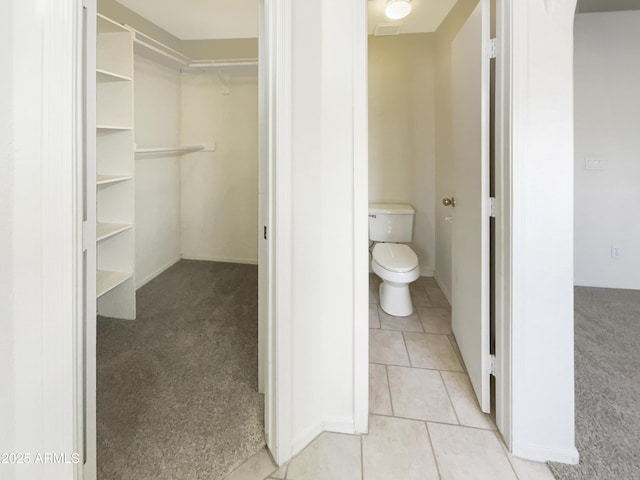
(224, 80)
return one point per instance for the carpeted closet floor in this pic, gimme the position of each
(607, 358)
(177, 387)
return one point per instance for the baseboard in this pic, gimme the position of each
(445, 291)
(157, 272)
(305, 438)
(537, 453)
(426, 272)
(334, 425)
(616, 286)
(245, 261)
(340, 425)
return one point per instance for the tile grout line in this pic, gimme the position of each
(437, 422)
(446, 389)
(433, 450)
(361, 457)
(503, 447)
(386, 370)
(419, 368)
(406, 349)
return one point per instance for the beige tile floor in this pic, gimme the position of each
(425, 422)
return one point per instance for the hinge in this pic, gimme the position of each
(492, 48)
(86, 235)
(492, 363)
(492, 207)
(265, 232)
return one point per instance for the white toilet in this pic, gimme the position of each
(390, 226)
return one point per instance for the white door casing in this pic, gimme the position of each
(470, 232)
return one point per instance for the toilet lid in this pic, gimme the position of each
(395, 257)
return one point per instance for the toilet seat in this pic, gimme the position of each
(395, 257)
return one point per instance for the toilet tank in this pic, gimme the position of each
(390, 222)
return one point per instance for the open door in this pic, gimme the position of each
(470, 60)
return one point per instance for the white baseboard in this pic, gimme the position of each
(305, 438)
(157, 272)
(334, 425)
(537, 453)
(426, 272)
(245, 261)
(445, 290)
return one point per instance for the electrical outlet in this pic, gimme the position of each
(615, 251)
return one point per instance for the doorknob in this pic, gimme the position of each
(449, 202)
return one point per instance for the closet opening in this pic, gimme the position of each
(178, 232)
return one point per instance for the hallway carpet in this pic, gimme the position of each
(607, 356)
(177, 387)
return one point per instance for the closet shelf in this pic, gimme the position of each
(107, 179)
(112, 127)
(107, 281)
(176, 149)
(106, 75)
(150, 48)
(108, 230)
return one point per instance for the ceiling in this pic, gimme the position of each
(216, 19)
(200, 19)
(425, 16)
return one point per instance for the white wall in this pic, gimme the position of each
(401, 132)
(157, 176)
(327, 215)
(220, 189)
(539, 150)
(7, 414)
(607, 126)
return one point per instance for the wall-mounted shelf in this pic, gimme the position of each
(176, 149)
(107, 281)
(157, 51)
(108, 230)
(107, 76)
(115, 194)
(113, 127)
(107, 179)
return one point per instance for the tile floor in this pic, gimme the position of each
(425, 422)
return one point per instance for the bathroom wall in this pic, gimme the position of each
(443, 138)
(157, 177)
(220, 189)
(401, 131)
(607, 123)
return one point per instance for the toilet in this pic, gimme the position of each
(390, 227)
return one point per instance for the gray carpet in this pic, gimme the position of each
(177, 388)
(607, 357)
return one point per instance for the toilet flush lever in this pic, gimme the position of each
(449, 202)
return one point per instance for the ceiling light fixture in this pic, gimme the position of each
(397, 9)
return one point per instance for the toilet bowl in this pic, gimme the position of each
(397, 265)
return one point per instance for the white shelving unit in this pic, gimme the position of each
(115, 195)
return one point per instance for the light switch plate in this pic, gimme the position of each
(594, 163)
